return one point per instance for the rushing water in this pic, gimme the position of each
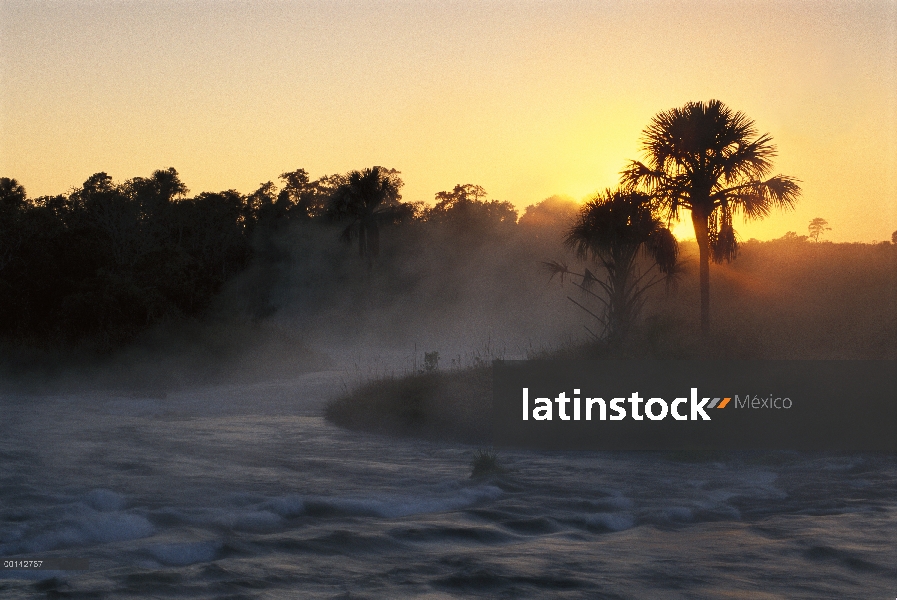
(246, 492)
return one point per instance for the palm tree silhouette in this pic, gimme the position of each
(613, 229)
(709, 160)
(368, 199)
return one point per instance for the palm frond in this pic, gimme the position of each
(707, 148)
(589, 280)
(747, 159)
(663, 248)
(723, 240)
(757, 198)
(556, 268)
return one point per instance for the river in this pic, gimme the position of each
(245, 491)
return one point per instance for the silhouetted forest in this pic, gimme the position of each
(99, 265)
(107, 260)
(343, 259)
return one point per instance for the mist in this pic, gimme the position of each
(465, 283)
(478, 292)
(315, 399)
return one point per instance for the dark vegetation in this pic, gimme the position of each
(616, 229)
(710, 160)
(140, 268)
(100, 264)
(784, 299)
(485, 463)
(436, 405)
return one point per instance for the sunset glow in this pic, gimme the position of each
(527, 99)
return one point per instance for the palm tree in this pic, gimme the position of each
(709, 160)
(614, 229)
(368, 199)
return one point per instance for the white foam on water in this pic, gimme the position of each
(286, 506)
(104, 500)
(179, 555)
(90, 527)
(117, 527)
(616, 500)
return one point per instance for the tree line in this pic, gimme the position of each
(107, 260)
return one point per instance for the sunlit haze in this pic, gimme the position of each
(527, 99)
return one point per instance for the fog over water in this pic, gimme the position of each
(286, 392)
(202, 466)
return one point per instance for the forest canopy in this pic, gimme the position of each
(101, 265)
(108, 259)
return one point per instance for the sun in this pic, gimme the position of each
(683, 229)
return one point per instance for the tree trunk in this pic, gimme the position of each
(699, 220)
(620, 313)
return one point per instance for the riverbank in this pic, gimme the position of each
(454, 405)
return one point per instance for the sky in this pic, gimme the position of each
(527, 99)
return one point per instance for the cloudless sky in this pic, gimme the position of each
(527, 99)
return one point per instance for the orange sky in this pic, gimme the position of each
(527, 99)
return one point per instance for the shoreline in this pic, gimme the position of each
(438, 405)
